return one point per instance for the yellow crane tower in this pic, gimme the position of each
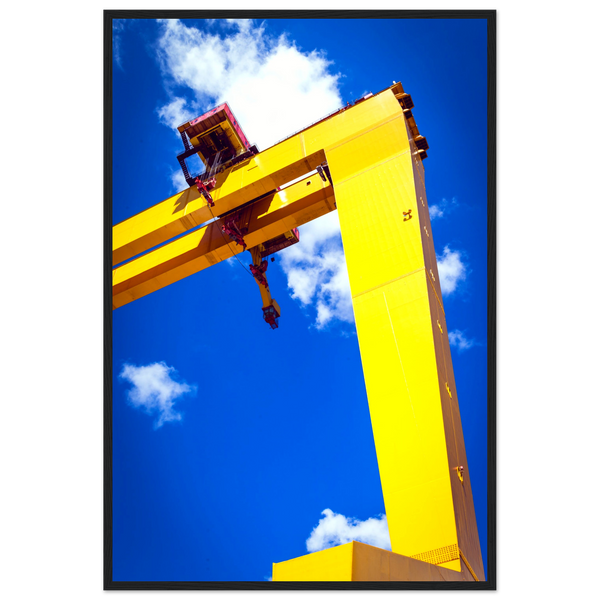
(366, 161)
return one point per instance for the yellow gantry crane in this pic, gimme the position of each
(366, 161)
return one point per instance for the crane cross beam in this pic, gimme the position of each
(265, 219)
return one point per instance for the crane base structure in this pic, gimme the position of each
(360, 562)
(366, 161)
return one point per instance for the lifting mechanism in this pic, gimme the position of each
(231, 229)
(218, 140)
(204, 187)
(258, 268)
(258, 271)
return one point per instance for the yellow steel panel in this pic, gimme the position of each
(352, 122)
(371, 201)
(366, 151)
(333, 564)
(370, 563)
(398, 356)
(176, 214)
(356, 561)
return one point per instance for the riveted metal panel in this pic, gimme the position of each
(466, 524)
(425, 224)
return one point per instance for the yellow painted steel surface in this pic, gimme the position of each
(333, 564)
(266, 219)
(360, 562)
(374, 188)
(379, 190)
(241, 183)
(185, 210)
(265, 292)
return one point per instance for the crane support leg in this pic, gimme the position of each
(406, 360)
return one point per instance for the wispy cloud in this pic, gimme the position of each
(178, 181)
(155, 391)
(459, 340)
(118, 26)
(444, 207)
(452, 270)
(335, 529)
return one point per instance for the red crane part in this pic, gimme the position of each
(271, 317)
(259, 271)
(232, 230)
(204, 190)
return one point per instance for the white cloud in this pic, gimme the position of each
(242, 24)
(458, 340)
(335, 529)
(452, 270)
(155, 391)
(316, 270)
(273, 87)
(118, 26)
(437, 211)
(174, 113)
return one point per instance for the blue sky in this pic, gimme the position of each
(231, 440)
